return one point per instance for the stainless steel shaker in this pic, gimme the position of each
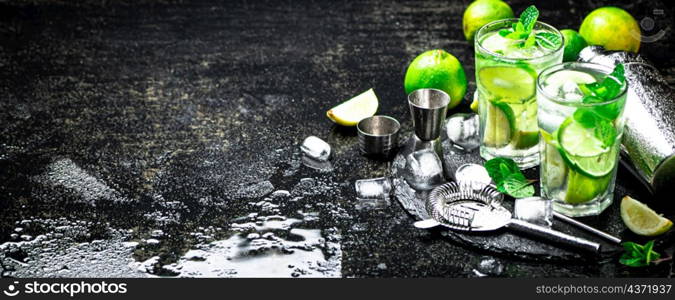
(649, 136)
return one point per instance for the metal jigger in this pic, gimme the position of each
(428, 108)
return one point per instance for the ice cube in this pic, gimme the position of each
(570, 87)
(475, 174)
(462, 130)
(489, 266)
(535, 210)
(315, 148)
(374, 188)
(424, 169)
(319, 165)
(570, 91)
(371, 204)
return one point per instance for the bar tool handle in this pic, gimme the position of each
(554, 235)
(590, 229)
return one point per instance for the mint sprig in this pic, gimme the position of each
(637, 255)
(605, 90)
(508, 178)
(601, 116)
(523, 30)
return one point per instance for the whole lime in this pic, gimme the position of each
(574, 42)
(612, 28)
(437, 69)
(481, 12)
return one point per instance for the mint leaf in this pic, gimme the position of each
(529, 42)
(529, 17)
(548, 40)
(518, 27)
(632, 261)
(605, 90)
(516, 35)
(614, 82)
(508, 178)
(522, 30)
(499, 168)
(586, 117)
(649, 254)
(518, 187)
(637, 255)
(605, 132)
(633, 248)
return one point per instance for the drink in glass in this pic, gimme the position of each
(506, 74)
(580, 139)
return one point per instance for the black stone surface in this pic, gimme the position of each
(136, 134)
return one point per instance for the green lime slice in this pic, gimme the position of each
(557, 79)
(584, 152)
(577, 140)
(581, 188)
(499, 121)
(509, 84)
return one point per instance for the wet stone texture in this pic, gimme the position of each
(161, 138)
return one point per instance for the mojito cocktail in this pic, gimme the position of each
(581, 123)
(506, 75)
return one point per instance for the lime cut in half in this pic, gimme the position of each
(350, 112)
(509, 84)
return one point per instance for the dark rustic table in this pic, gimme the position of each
(146, 138)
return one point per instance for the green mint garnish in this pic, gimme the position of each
(548, 40)
(637, 255)
(605, 90)
(508, 178)
(599, 92)
(529, 17)
(523, 30)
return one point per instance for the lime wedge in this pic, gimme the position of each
(509, 84)
(474, 103)
(525, 139)
(350, 112)
(554, 170)
(498, 124)
(584, 151)
(581, 188)
(641, 219)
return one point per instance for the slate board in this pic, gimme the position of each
(505, 242)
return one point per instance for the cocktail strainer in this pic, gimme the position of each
(462, 207)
